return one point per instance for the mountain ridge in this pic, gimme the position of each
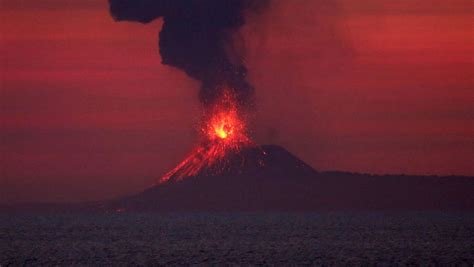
(269, 178)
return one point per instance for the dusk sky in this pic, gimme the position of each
(89, 112)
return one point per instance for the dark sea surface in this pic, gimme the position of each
(383, 239)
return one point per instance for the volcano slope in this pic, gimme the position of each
(269, 178)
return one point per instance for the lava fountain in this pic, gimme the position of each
(223, 132)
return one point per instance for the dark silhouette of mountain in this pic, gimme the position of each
(269, 178)
(252, 160)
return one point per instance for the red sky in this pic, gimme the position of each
(88, 111)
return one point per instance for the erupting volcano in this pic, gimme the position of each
(227, 170)
(198, 37)
(223, 133)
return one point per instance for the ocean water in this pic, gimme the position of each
(385, 239)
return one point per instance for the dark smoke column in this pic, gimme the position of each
(197, 37)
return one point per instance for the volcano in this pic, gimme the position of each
(255, 161)
(269, 178)
(248, 179)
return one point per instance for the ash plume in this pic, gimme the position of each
(198, 37)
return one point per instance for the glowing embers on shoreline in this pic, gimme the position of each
(223, 131)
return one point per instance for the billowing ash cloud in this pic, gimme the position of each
(198, 37)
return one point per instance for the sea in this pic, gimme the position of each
(276, 239)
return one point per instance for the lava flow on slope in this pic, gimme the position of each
(223, 133)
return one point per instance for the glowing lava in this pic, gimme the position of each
(223, 123)
(223, 132)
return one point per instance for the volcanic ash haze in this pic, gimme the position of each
(197, 36)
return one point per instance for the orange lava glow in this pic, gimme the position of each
(223, 131)
(224, 122)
